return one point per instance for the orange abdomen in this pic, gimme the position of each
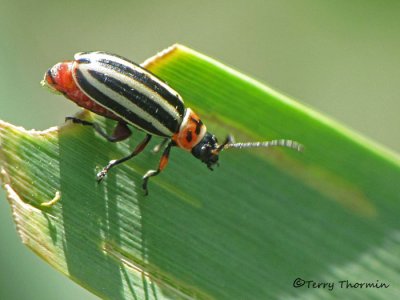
(60, 79)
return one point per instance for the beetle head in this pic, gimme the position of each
(207, 150)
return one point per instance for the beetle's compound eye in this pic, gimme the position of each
(205, 150)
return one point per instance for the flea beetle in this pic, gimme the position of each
(116, 88)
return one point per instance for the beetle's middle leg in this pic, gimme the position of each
(120, 133)
(139, 148)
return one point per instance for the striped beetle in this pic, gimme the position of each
(116, 88)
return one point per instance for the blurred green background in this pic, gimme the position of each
(340, 57)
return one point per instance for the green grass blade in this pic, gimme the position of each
(245, 231)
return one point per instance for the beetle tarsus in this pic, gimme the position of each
(100, 176)
(146, 177)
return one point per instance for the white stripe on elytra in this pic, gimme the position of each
(123, 101)
(96, 56)
(141, 88)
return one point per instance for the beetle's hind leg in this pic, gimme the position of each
(163, 163)
(120, 133)
(139, 148)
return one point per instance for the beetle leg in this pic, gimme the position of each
(121, 131)
(139, 148)
(158, 147)
(163, 163)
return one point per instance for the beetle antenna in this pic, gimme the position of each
(228, 141)
(280, 143)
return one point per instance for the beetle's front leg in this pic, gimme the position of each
(159, 146)
(163, 163)
(139, 148)
(120, 133)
